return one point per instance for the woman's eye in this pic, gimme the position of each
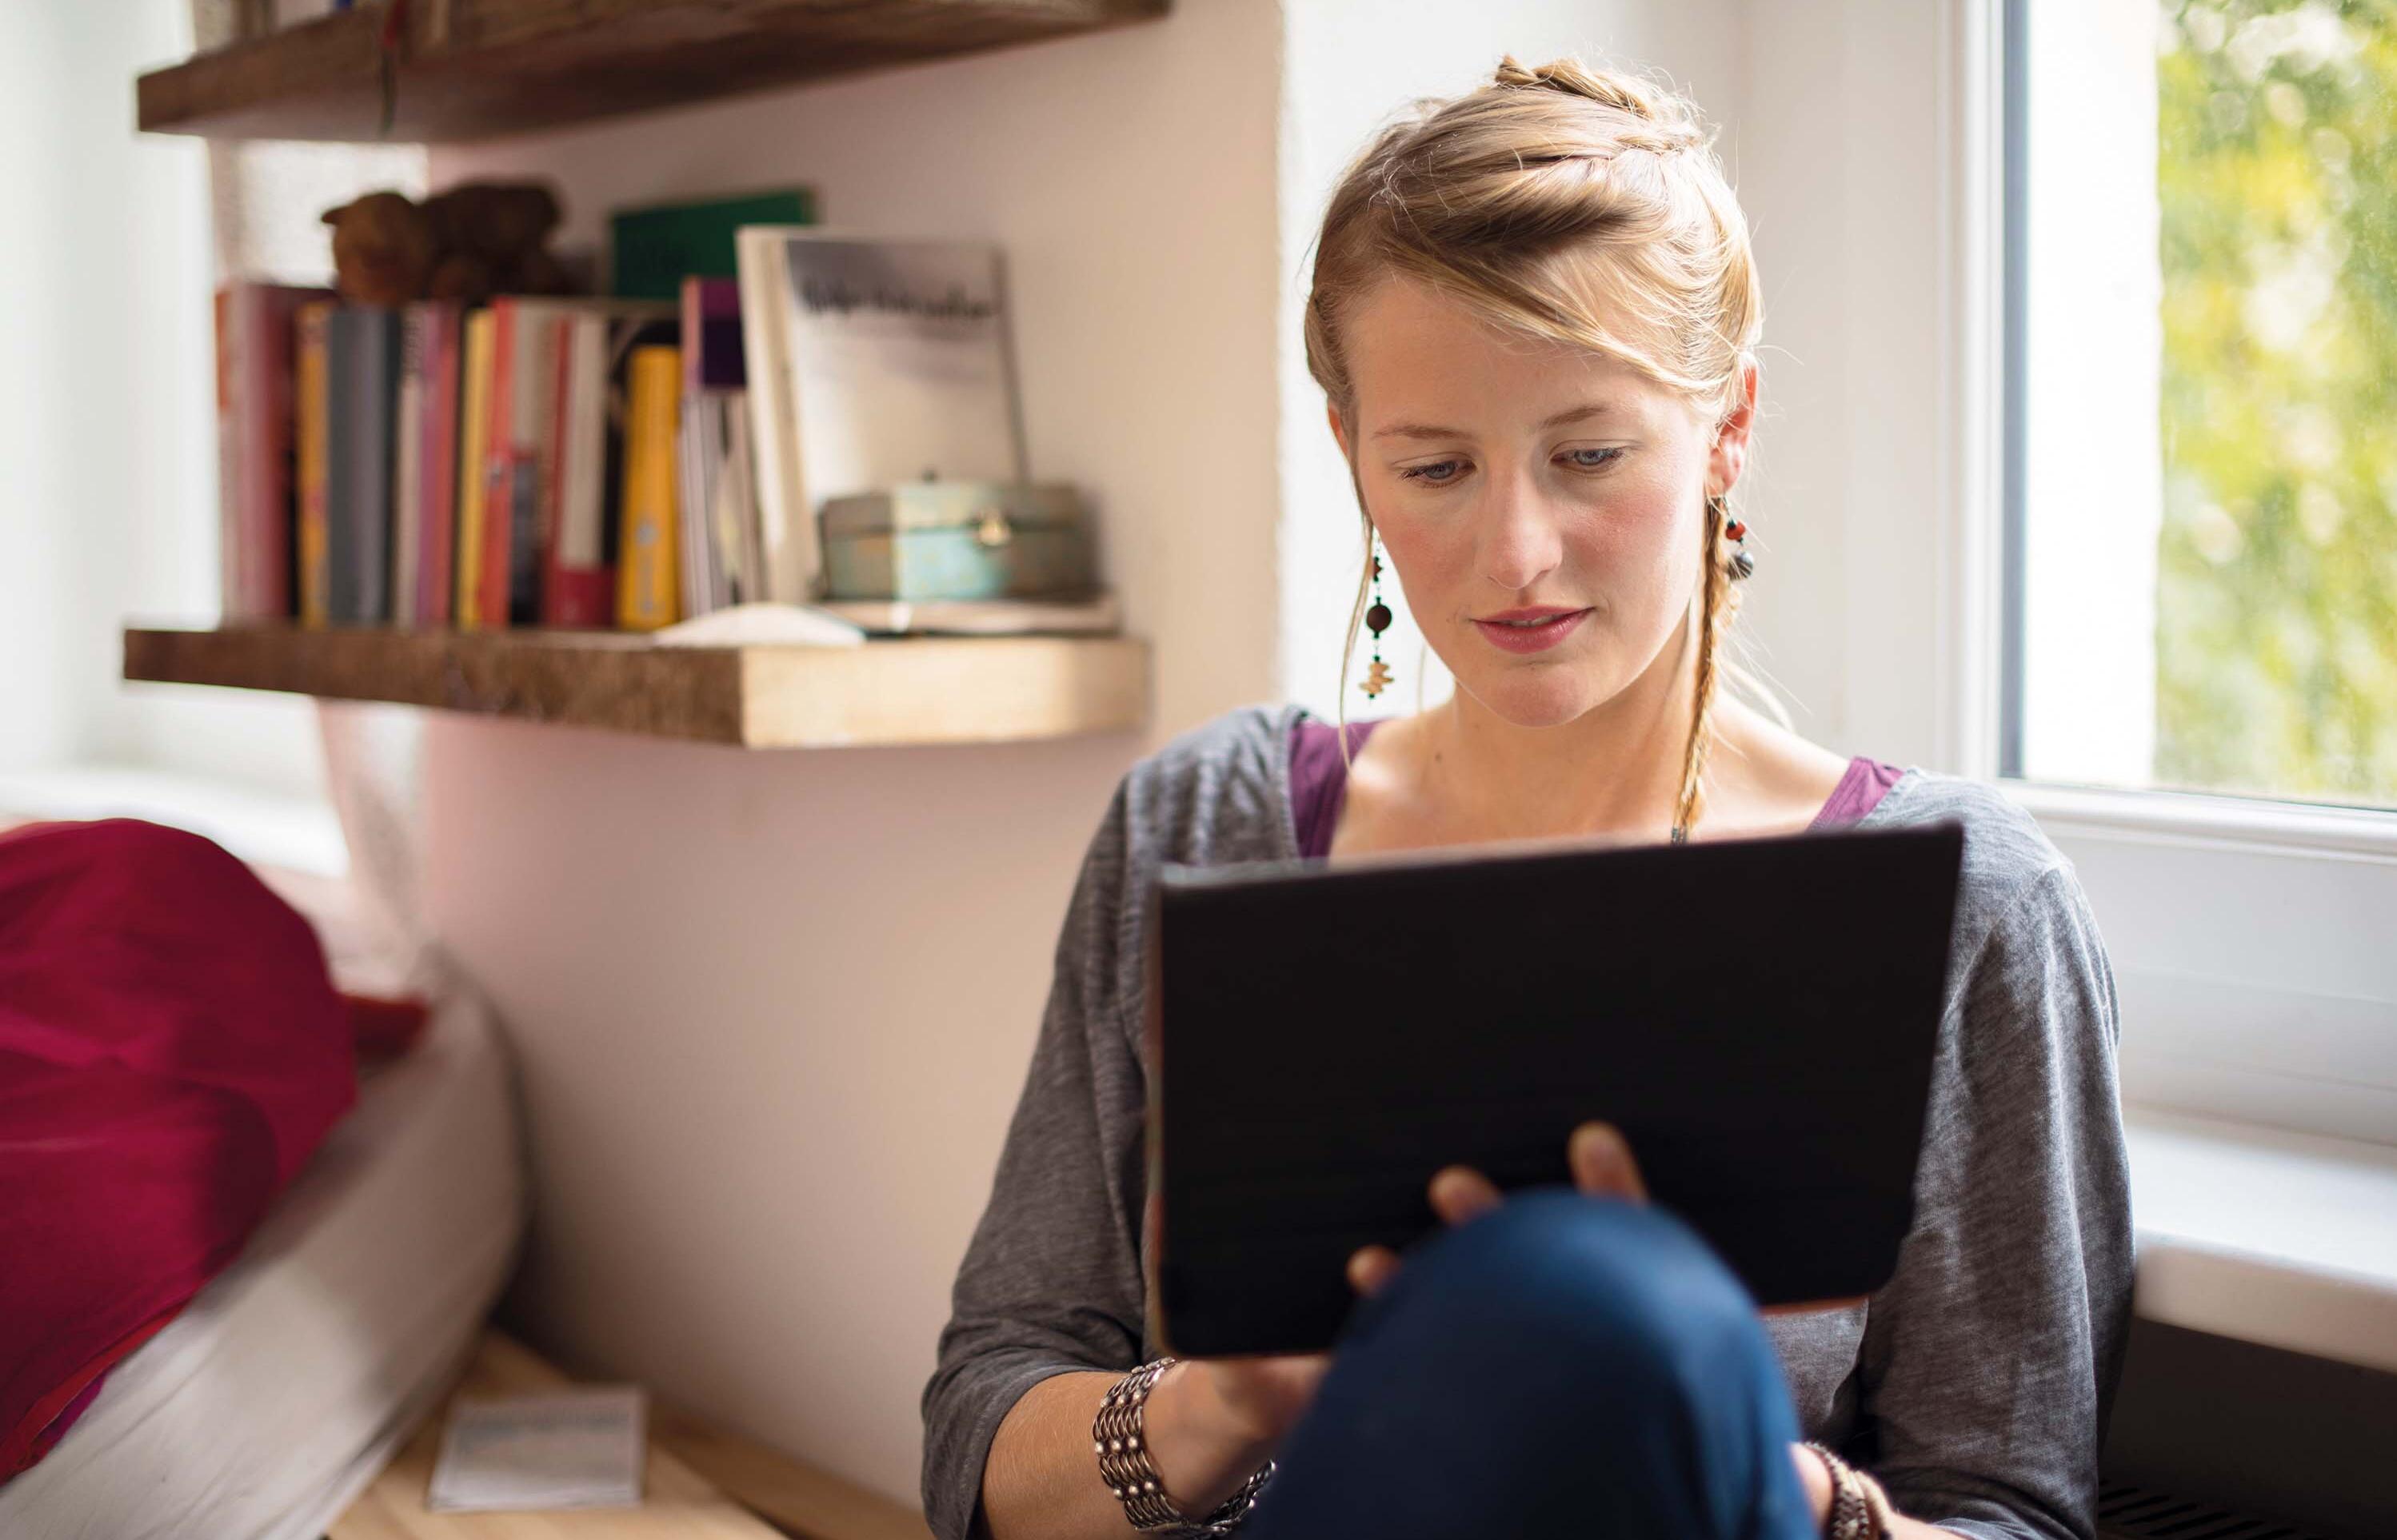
(1439, 472)
(1593, 460)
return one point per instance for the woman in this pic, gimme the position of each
(1533, 318)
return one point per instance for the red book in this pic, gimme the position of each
(257, 496)
(437, 489)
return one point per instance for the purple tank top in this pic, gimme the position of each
(1318, 784)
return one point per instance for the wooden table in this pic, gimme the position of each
(702, 1482)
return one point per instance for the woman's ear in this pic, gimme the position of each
(1729, 456)
(1339, 429)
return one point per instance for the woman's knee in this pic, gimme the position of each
(1583, 1284)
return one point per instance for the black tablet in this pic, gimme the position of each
(1757, 1016)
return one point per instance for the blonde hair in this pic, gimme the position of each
(1575, 206)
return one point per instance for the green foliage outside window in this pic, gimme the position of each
(2276, 637)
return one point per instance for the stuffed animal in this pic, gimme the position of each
(467, 244)
(382, 249)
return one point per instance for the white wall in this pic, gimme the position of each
(773, 1008)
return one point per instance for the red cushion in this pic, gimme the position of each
(171, 1052)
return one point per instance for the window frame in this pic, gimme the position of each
(2280, 1010)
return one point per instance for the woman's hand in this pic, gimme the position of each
(1212, 1422)
(1603, 1167)
(1596, 1154)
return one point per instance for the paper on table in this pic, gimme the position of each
(573, 1449)
(762, 624)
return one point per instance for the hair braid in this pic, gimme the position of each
(1717, 602)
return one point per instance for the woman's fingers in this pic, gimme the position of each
(1459, 1193)
(1602, 1165)
(1372, 1267)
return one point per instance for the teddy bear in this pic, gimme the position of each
(467, 244)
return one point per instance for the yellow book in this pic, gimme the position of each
(473, 414)
(645, 581)
(311, 408)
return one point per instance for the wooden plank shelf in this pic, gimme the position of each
(477, 69)
(962, 690)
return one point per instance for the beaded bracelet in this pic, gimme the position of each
(1860, 1509)
(1119, 1438)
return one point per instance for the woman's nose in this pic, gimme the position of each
(1521, 537)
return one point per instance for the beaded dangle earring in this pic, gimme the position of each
(1743, 566)
(1377, 620)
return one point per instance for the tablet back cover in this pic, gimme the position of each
(1757, 1016)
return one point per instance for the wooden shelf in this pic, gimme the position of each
(476, 69)
(976, 689)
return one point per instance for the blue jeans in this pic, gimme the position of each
(1566, 1366)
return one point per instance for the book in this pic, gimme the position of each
(787, 537)
(258, 508)
(519, 444)
(310, 410)
(473, 419)
(654, 249)
(711, 358)
(362, 386)
(646, 576)
(408, 469)
(580, 540)
(582, 1447)
(870, 362)
(441, 323)
(720, 541)
(699, 448)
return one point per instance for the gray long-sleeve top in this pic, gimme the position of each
(1976, 1384)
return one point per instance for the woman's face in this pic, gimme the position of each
(1541, 505)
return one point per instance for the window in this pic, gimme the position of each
(2195, 518)
(2200, 530)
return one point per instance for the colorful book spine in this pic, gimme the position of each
(233, 581)
(646, 567)
(362, 375)
(437, 489)
(579, 578)
(256, 340)
(310, 415)
(474, 429)
(712, 356)
(495, 576)
(408, 468)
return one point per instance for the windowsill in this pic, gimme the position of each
(2286, 1239)
(2204, 819)
(268, 828)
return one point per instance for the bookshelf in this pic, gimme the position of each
(476, 69)
(467, 69)
(916, 690)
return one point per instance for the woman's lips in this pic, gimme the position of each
(1527, 634)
